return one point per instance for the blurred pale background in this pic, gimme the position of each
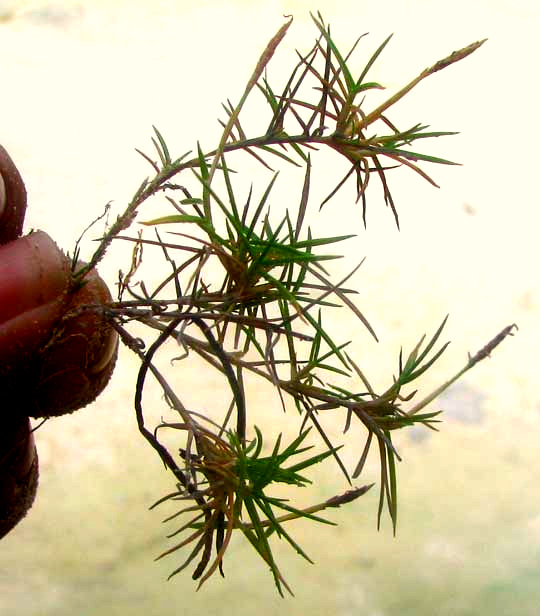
(82, 84)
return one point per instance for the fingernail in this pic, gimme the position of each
(2, 196)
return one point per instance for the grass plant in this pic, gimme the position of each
(246, 289)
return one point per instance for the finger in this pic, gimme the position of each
(12, 199)
(79, 359)
(34, 282)
(33, 272)
(18, 471)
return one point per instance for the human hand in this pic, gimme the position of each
(55, 355)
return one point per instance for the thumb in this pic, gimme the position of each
(34, 281)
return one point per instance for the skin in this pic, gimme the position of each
(54, 358)
(12, 199)
(34, 281)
